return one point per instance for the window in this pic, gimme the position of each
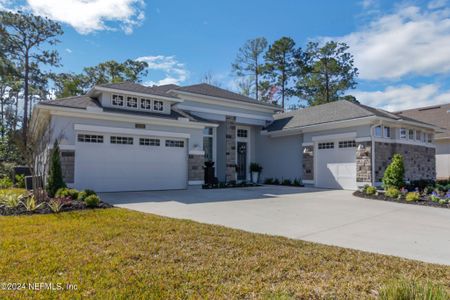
(174, 143)
(430, 138)
(158, 105)
(132, 102)
(411, 134)
(347, 144)
(90, 138)
(117, 100)
(328, 145)
(424, 137)
(403, 133)
(68, 165)
(386, 132)
(243, 133)
(139, 126)
(124, 140)
(146, 104)
(418, 135)
(378, 131)
(149, 142)
(208, 143)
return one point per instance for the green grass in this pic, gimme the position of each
(116, 253)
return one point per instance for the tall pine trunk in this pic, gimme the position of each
(256, 78)
(25, 100)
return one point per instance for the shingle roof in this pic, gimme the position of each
(214, 91)
(327, 113)
(137, 88)
(437, 115)
(74, 102)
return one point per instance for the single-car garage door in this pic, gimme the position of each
(336, 164)
(110, 163)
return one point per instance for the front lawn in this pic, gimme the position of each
(122, 254)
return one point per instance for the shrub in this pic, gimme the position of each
(11, 200)
(412, 291)
(371, 190)
(55, 205)
(412, 196)
(443, 201)
(20, 181)
(276, 181)
(92, 201)
(435, 197)
(297, 182)
(30, 204)
(255, 167)
(394, 173)
(5, 183)
(286, 182)
(55, 180)
(85, 193)
(268, 181)
(65, 192)
(392, 192)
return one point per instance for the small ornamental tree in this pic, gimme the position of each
(394, 174)
(55, 179)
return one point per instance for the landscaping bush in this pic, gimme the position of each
(20, 181)
(286, 182)
(394, 173)
(268, 181)
(392, 192)
(443, 201)
(85, 193)
(422, 185)
(55, 205)
(255, 167)
(297, 182)
(405, 290)
(276, 181)
(55, 179)
(92, 201)
(30, 204)
(10, 199)
(370, 190)
(65, 192)
(5, 183)
(412, 196)
(435, 197)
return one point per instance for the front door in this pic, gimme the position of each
(242, 160)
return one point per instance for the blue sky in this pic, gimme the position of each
(402, 49)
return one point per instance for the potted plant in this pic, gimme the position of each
(255, 170)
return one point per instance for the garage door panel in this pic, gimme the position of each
(336, 167)
(116, 167)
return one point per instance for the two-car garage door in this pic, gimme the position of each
(336, 164)
(113, 162)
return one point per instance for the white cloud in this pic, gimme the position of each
(175, 72)
(88, 16)
(411, 41)
(367, 3)
(437, 4)
(68, 50)
(395, 98)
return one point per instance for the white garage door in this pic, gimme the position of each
(336, 165)
(110, 163)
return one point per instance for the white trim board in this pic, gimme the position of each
(338, 136)
(195, 182)
(403, 141)
(131, 131)
(222, 112)
(120, 91)
(196, 152)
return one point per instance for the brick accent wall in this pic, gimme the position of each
(364, 163)
(195, 167)
(308, 163)
(230, 148)
(420, 161)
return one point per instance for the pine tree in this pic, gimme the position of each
(55, 179)
(394, 173)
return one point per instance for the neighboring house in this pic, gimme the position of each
(128, 137)
(438, 115)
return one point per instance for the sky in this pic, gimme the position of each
(402, 49)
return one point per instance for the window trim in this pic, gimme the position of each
(121, 140)
(347, 144)
(170, 143)
(92, 138)
(387, 132)
(142, 100)
(375, 131)
(122, 101)
(136, 102)
(155, 103)
(152, 142)
(403, 136)
(325, 145)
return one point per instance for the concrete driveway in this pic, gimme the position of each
(333, 217)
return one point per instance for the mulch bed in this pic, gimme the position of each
(71, 206)
(383, 197)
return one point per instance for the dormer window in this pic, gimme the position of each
(158, 105)
(146, 104)
(117, 100)
(132, 102)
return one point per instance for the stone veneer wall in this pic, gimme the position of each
(364, 163)
(195, 167)
(420, 161)
(308, 163)
(230, 148)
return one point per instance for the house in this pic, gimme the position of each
(438, 115)
(129, 137)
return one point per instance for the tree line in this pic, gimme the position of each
(320, 73)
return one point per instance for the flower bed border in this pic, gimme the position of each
(74, 205)
(383, 197)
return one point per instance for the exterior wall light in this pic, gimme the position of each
(361, 147)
